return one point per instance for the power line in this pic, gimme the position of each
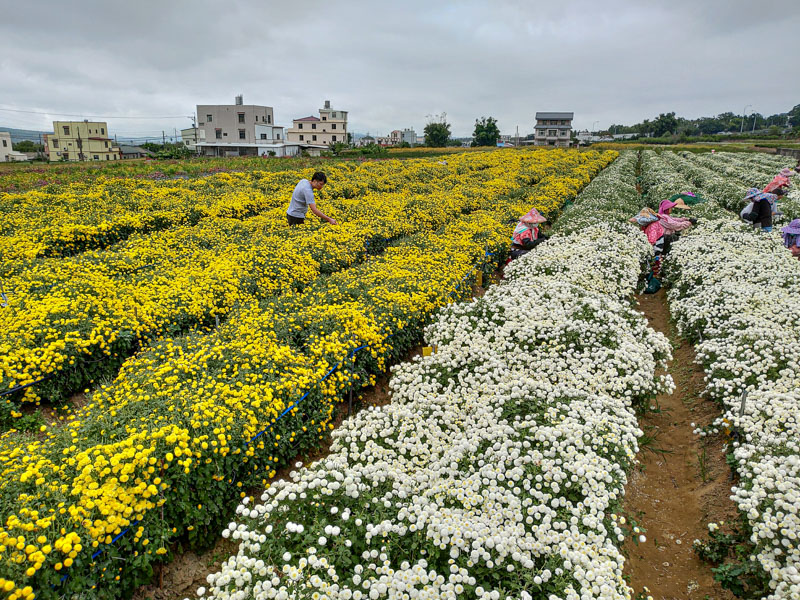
(36, 112)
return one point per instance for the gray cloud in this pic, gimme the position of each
(391, 63)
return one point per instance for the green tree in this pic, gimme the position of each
(665, 123)
(486, 132)
(337, 147)
(27, 146)
(437, 134)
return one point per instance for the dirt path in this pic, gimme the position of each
(681, 485)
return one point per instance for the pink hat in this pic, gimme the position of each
(787, 172)
(533, 217)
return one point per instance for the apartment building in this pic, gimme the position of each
(192, 135)
(553, 129)
(81, 141)
(330, 127)
(235, 129)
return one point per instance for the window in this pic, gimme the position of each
(334, 138)
(313, 126)
(241, 117)
(263, 136)
(333, 115)
(5, 144)
(278, 136)
(563, 133)
(269, 118)
(241, 134)
(66, 130)
(552, 132)
(299, 125)
(103, 130)
(106, 144)
(313, 138)
(324, 118)
(333, 126)
(107, 157)
(218, 133)
(208, 118)
(55, 143)
(96, 157)
(301, 137)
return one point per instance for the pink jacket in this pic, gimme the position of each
(654, 232)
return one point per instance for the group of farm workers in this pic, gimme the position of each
(763, 206)
(661, 228)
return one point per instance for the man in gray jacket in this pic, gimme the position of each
(303, 199)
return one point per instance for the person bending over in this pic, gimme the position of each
(303, 200)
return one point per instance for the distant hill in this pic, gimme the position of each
(19, 135)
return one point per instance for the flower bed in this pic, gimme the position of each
(736, 294)
(190, 422)
(74, 320)
(498, 467)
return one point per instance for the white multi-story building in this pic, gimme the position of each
(236, 129)
(5, 146)
(398, 136)
(553, 129)
(329, 128)
(191, 136)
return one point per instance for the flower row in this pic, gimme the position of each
(737, 294)
(498, 467)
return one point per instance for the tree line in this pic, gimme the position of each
(727, 122)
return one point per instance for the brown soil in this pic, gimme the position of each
(681, 483)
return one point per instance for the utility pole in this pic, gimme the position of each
(517, 136)
(744, 116)
(163, 138)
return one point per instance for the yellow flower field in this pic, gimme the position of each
(74, 320)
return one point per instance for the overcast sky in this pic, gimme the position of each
(391, 64)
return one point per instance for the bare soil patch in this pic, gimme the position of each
(682, 482)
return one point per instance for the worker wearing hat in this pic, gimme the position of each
(791, 237)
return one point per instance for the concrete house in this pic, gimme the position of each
(81, 140)
(330, 127)
(553, 129)
(235, 129)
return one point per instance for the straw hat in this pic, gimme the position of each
(679, 203)
(533, 217)
(792, 228)
(645, 216)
